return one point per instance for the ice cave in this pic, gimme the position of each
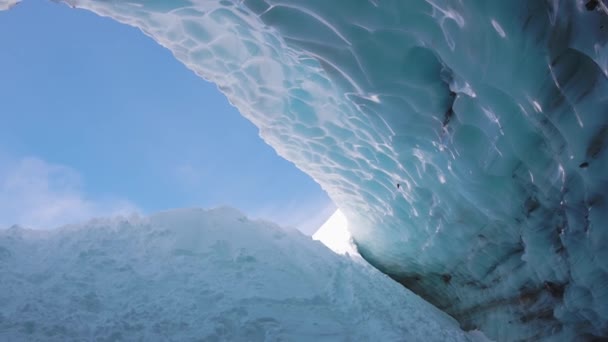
(465, 141)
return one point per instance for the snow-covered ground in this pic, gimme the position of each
(197, 274)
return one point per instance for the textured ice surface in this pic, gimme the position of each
(491, 116)
(199, 275)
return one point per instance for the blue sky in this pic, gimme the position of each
(98, 119)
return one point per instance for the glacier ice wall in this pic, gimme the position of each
(465, 141)
(199, 275)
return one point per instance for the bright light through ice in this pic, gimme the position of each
(334, 234)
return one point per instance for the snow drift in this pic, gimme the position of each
(199, 275)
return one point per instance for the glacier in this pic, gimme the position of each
(193, 274)
(465, 141)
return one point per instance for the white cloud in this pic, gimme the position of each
(41, 195)
(8, 4)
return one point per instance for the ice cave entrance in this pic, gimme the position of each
(133, 123)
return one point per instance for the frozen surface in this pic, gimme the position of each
(464, 140)
(205, 275)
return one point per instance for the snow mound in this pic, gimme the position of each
(195, 274)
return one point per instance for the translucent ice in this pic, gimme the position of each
(464, 140)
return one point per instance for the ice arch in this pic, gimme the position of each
(465, 141)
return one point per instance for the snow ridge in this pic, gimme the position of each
(196, 274)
